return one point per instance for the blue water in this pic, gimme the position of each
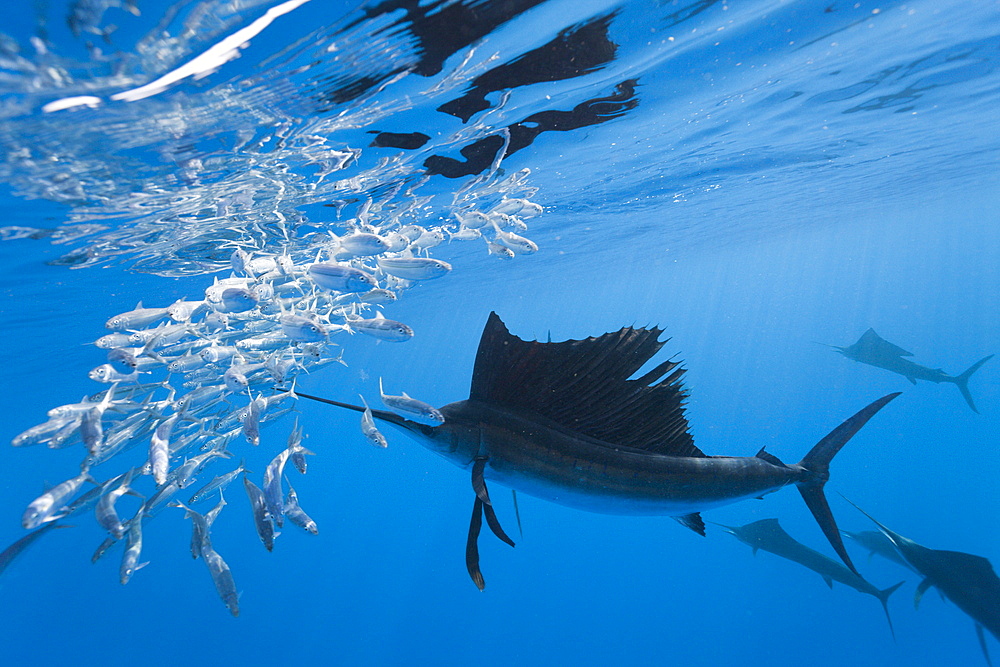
(754, 177)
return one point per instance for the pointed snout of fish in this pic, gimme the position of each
(729, 529)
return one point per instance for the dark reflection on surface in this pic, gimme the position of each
(439, 30)
(409, 140)
(443, 29)
(574, 52)
(479, 155)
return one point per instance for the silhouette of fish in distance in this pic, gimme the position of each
(874, 350)
(968, 581)
(563, 422)
(768, 535)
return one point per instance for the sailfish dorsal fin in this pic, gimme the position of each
(874, 343)
(584, 386)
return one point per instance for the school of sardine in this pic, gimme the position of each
(188, 382)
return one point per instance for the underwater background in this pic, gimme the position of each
(755, 177)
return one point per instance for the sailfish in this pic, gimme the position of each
(567, 422)
(874, 350)
(969, 581)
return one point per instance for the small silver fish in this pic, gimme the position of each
(368, 427)
(199, 397)
(428, 239)
(473, 219)
(235, 378)
(341, 278)
(360, 244)
(183, 311)
(113, 340)
(133, 548)
(91, 428)
(410, 405)
(239, 260)
(411, 232)
(414, 268)
(272, 486)
(518, 207)
(159, 449)
(122, 360)
(299, 452)
(377, 296)
(261, 516)
(49, 506)
(296, 514)
(236, 300)
(518, 244)
(251, 420)
(394, 242)
(137, 318)
(218, 353)
(500, 251)
(220, 482)
(222, 577)
(261, 265)
(106, 373)
(466, 234)
(186, 472)
(105, 511)
(381, 328)
(303, 329)
(159, 499)
(215, 322)
(39, 434)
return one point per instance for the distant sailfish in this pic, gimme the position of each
(563, 422)
(768, 535)
(968, 581)
(874, 350)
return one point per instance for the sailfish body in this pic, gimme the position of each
(874, 350)
(564, 422)
(545, 459)
(969, 581)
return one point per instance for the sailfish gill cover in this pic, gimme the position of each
(208, 203)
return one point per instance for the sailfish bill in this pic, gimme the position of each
(564, 421)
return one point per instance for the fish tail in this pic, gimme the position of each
(816, 465)
(962, 381)
(883, 597)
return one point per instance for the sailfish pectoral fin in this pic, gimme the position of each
(481, 506)
(472, 545)
(483, 495)
(478, 481)
(494, 524)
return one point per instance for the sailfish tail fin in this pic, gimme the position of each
(816, 464)
(883, 597)
(962, 381)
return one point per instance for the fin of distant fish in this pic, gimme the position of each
(584, 385)
(982, 644)
(770, 458)
(872, 342)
